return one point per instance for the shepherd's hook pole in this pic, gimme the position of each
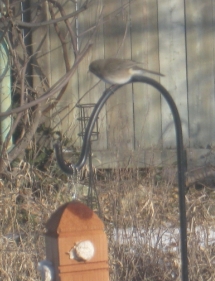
(70, 169)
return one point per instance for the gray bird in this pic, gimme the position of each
(118, 71)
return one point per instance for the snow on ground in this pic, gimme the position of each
(164, 239)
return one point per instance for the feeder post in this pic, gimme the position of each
(76, 244)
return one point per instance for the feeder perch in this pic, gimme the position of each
(76, 244)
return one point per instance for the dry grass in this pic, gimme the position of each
(137, 211)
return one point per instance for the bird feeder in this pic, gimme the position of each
(76, 244)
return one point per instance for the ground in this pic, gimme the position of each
(141, 217)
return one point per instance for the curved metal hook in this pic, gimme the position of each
(180, 155)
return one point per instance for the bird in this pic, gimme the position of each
(118, 71)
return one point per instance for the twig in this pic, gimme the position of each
(54, 89)
(72, 34)
(49, 22)
(14, 153)
(65, 54)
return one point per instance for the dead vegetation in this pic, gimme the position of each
(140, 215)
(33, 94)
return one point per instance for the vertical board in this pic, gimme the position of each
(147, 121)
(172, 55)
(120, 106)
(90, 88)
(200, 62)
(64, 114)
(41, 49)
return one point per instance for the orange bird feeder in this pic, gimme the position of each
(76, 244)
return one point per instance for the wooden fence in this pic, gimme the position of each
(136, 127)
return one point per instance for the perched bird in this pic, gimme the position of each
(117, 71)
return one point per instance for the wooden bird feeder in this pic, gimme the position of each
(76, 244)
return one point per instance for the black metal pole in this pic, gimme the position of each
(181, 161)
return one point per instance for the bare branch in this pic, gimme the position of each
(66, 59)
(14, 153)
(25, 121)
(72, 34)
(54, 89)
(49, 22)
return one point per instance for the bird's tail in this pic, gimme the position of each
(142, 71)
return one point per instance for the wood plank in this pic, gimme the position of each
(200, 63)
(41, 48)
(137, 159)
(64, 114)
(145, 47)
(89, 88)
(111, 159)
(171, 24)
(152, 158)
(200, 157)
(120, 106)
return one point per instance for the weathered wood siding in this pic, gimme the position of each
(171, 36)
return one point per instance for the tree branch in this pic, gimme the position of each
(54, 89)
(14, 153)
(49, 22)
